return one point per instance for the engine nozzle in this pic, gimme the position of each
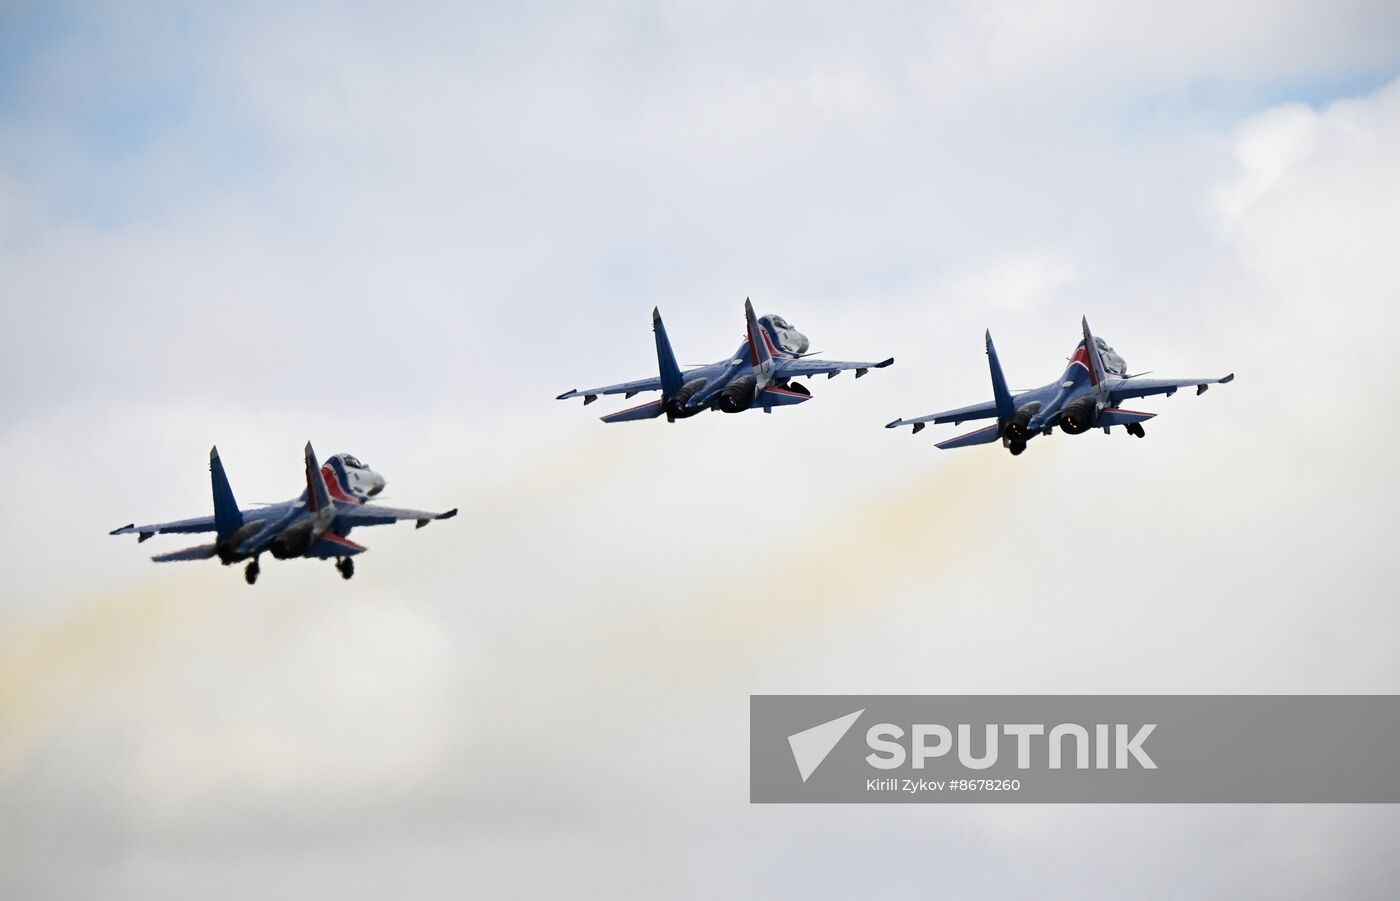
(738, 396)
(1019, 425)
(676, 405)
(1079, 416)
(291, 542)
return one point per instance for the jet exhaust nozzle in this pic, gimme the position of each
(292, 542)
(738, 396)
(228, 547)
(1079, 416)
(676, 404)
(1018, 427)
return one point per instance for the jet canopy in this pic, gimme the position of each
(784, 335)
(1113, 364)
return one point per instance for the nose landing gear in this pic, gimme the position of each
(250, 572)
(1016, 448)
(346, 565)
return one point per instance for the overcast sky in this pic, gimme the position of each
(400, 230)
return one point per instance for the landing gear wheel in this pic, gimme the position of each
(346, 567)
(250, 572)
(1136, 430)
(1016, 448)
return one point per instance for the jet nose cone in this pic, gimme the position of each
(376, 486)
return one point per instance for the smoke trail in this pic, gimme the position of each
(102, 645)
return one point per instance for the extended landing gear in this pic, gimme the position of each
(1016, 448)
(346, 566)
(1135, 429)
(250, 572)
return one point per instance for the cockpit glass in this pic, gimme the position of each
(779, 321)
(352, 462)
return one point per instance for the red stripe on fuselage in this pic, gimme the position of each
(1081, 356)
(772, 348)
(768, 343)
(333, 486)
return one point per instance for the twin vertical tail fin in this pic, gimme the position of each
(1092, 360)
(665, 357)
(227, 518)
(760, 354)
(318, 496)
(760, 351)
(1006, 408)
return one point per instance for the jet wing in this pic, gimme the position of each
(629, 388)
(1127, 388)
(808, 366)
(376, 515)
(198, 524)
(986, 410)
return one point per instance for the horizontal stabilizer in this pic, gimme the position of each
(645, 411)
(1114, 416)
(201, 552)
(779, 397)
(982, 436)
(331, 545)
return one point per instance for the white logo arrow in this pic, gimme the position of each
(811, 746)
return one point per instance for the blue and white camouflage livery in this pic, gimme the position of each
(1087, 396)
(757, 376)
(336, 500)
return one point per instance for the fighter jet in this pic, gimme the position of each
(759, 375)
(336, 500)
(1087, 396)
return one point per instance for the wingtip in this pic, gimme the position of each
(893, 425)
(308, 450)
(1228, 379)
(214, 452)
(449, 514)
(119, 529)
(748, 306)
(883, 363)
(655, 314)
(567, 394)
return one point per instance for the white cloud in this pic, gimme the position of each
(437, 222)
